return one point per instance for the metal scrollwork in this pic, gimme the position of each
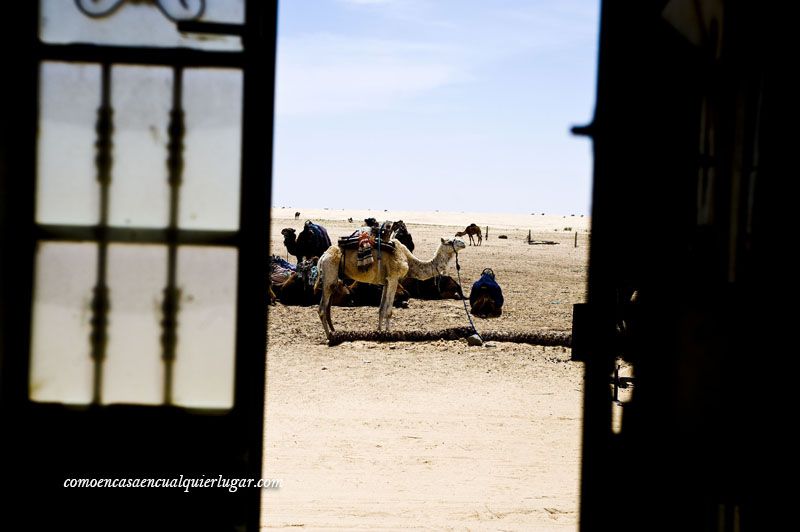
(175, 10)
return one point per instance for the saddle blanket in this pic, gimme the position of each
(280, 270)
(364, 241)
(355, 241)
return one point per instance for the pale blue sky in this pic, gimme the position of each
(455, 105)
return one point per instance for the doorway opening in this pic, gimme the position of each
(445, 116)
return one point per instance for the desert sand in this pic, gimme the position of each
(434, 435)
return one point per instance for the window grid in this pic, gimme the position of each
(103, 235)
(100, 299)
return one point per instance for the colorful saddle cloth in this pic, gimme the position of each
(279, 269)
(364, 241)
(364, 257)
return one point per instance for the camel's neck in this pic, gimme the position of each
(291, 244)
(418, 269)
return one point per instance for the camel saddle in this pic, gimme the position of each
(378, 238)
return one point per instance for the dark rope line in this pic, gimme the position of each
(543, 338)
(466, 311)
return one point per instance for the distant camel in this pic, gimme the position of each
(471, 230)
(393, 267)
(297, 215)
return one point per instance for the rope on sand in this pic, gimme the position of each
(546, 338)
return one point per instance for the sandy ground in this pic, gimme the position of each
(432, 435)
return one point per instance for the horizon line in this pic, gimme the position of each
(335, 209)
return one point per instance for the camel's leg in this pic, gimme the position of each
(324, 309)
(381, 306)
(328, 317)
(331, 288)
(389, 290)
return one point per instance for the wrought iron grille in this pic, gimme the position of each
(176, 237)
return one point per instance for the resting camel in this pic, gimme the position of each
(401, 233)
(471, 230)
(295, 291)
(438, 287)
(387, 272)
(312, 241)
(369, 295)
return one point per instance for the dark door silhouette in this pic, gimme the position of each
(134, 190)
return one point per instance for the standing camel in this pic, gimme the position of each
(393, 267)
(472, 229)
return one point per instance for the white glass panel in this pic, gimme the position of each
(204, 365)
(67, 190)
(137, 23)
(134, 371)
(61, 368)
(210, 192)
(142, 99)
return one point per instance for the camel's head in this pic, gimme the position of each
(454, 243)
(288, 234)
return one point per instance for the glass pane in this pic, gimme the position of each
(61, 368)
(137, 23)
(212, 99)
(134, 372)
(204, 364)
(142, 100)
(67, 177)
